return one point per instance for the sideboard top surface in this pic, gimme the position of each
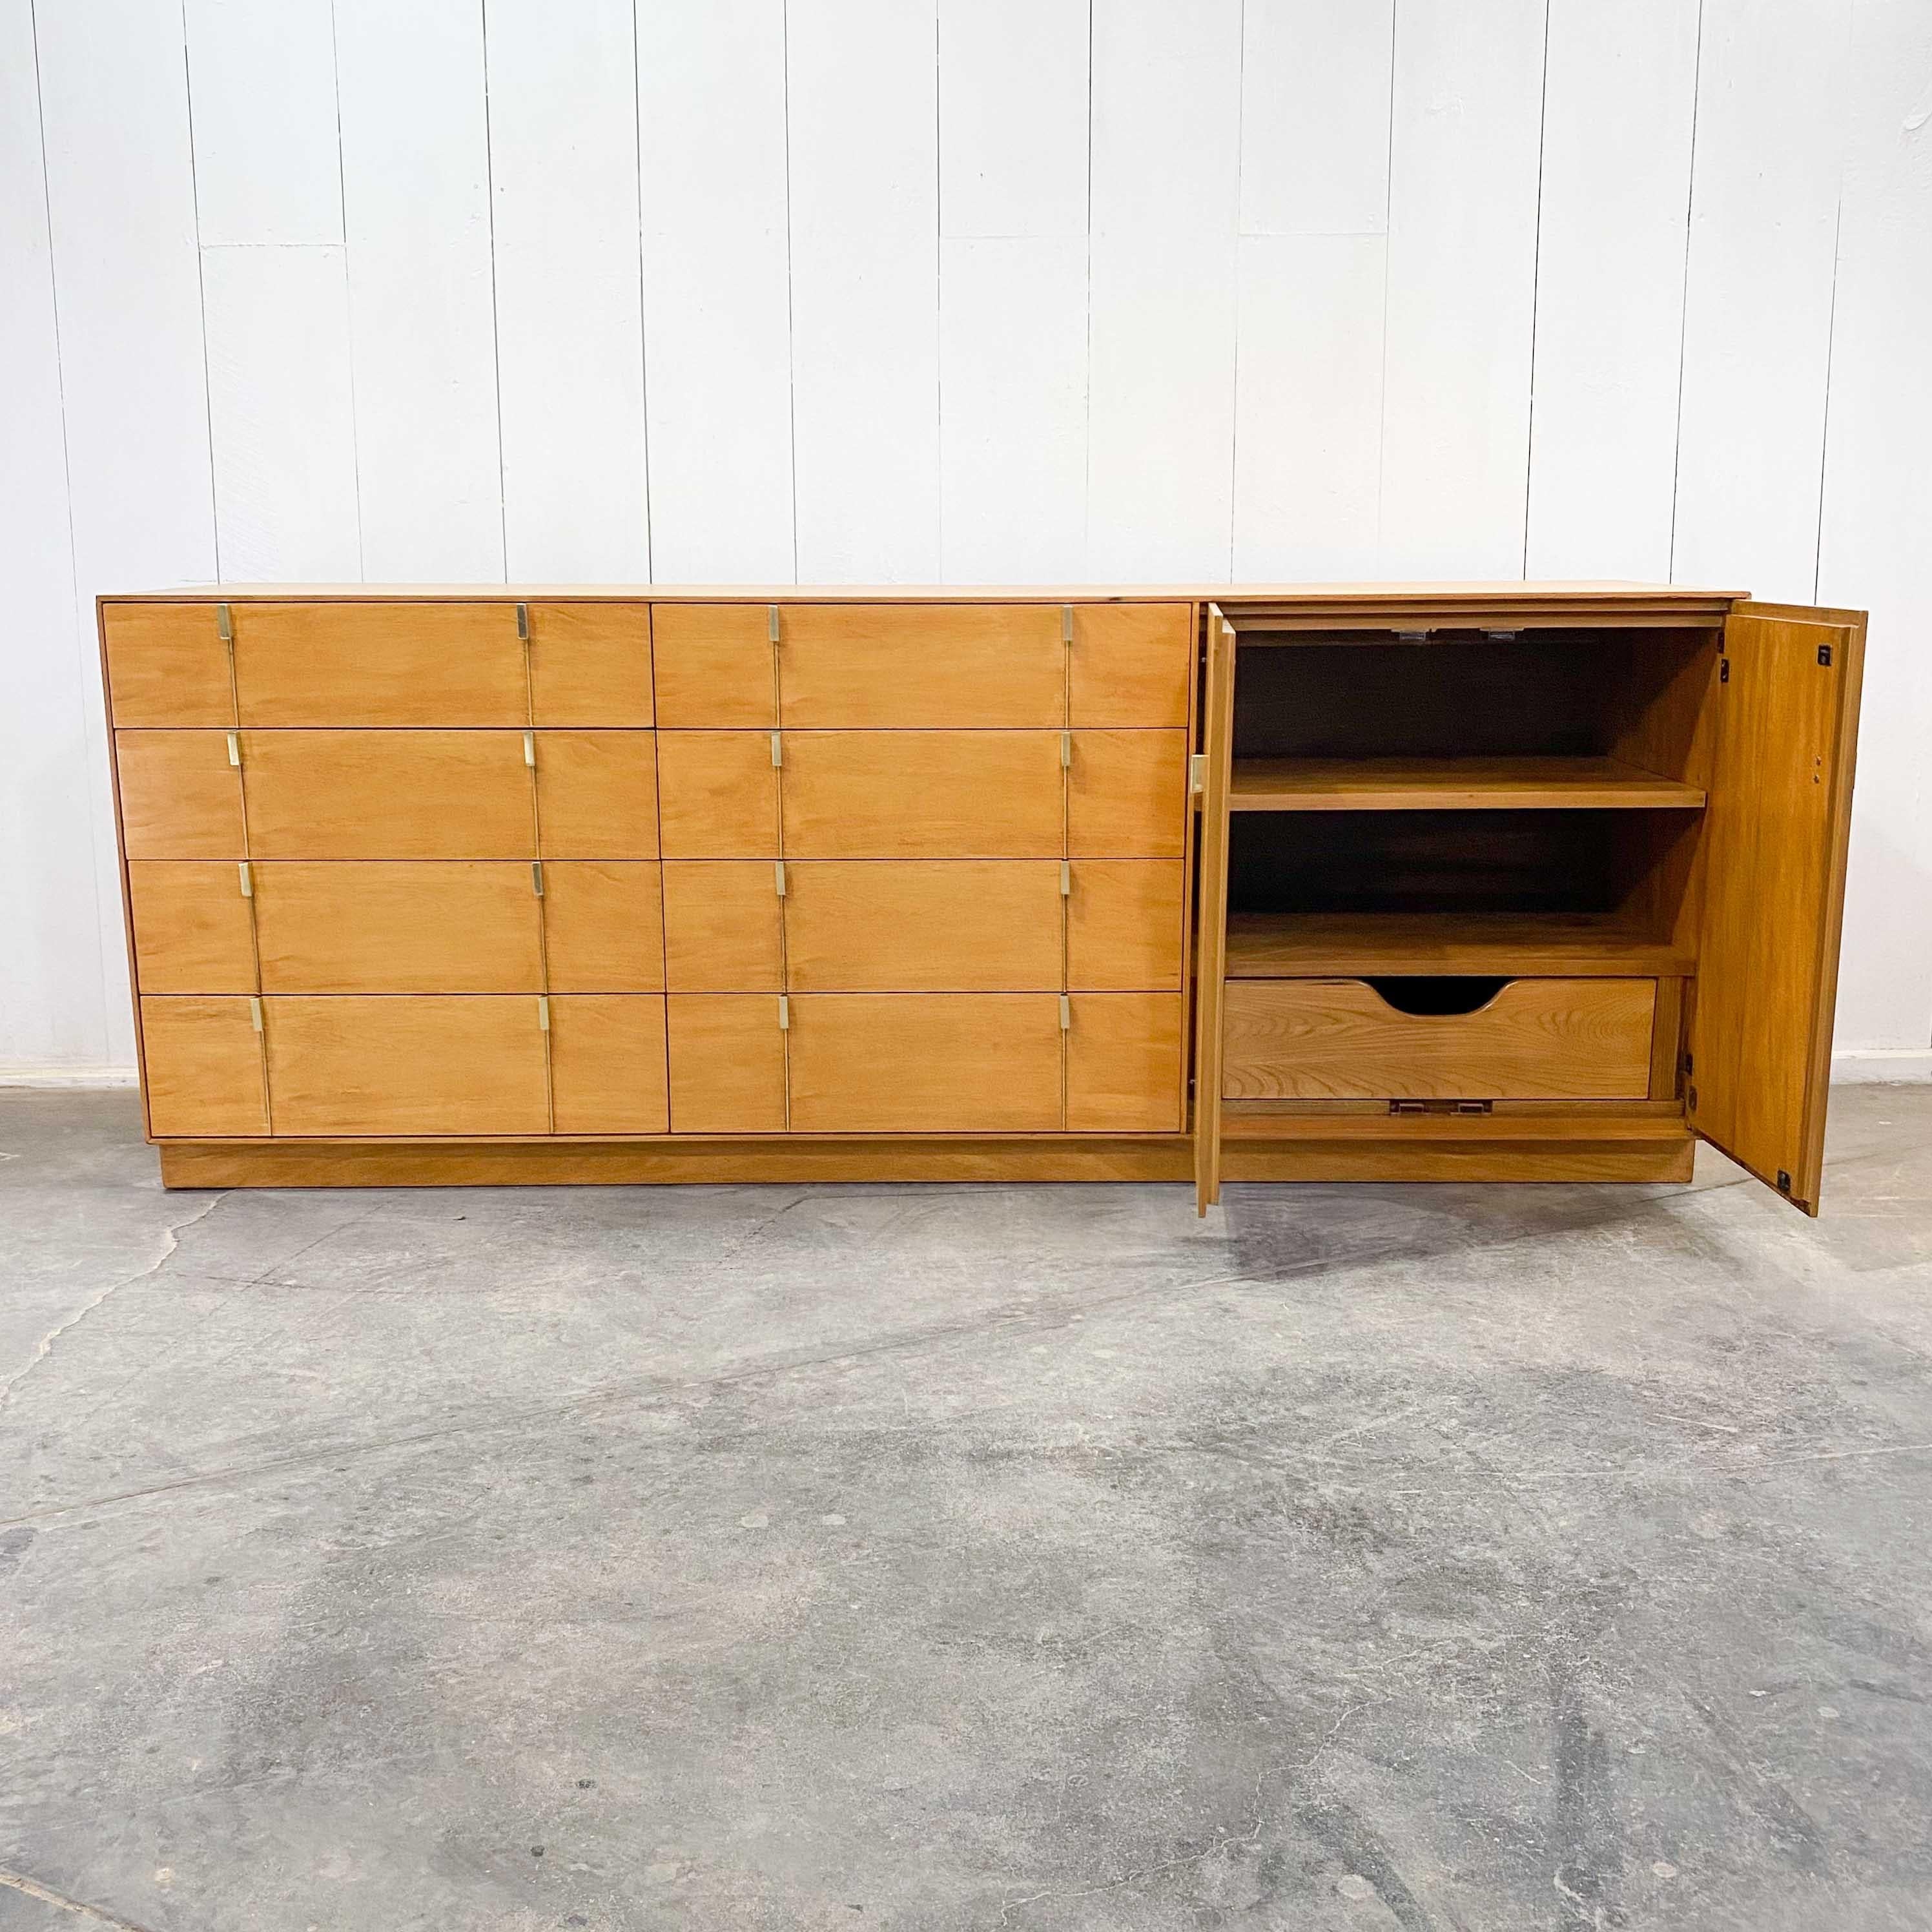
(1607, 595)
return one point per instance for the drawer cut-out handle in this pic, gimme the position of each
(1429, 996)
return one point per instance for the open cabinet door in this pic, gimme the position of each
(1211, 927)
(1775, 832)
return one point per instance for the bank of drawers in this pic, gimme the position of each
(476, 869)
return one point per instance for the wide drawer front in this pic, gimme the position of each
(558, 794)
(1523, 1040)
(429, 1064)
(939, 1063)
(364, 663)
(901, 667)
(914, 925)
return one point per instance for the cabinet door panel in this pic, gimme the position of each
(607, 1064)
(603, 928)
(1132, 664)
(922, 794)
(391, 926)
(713, 666)
(926, 1063)
(423, 1064)
(1127, 795)
(895, 667)
(590, 664)
(943, 925)
(718, 792)
(1775, 839)
(728, 1063)
(721, 926)
(1123, 1064)
(597, 794)
(191, 927)
(368, 664)
(166, 665)
(1123, 924)
(388, 795)
(201, 1068)
(180, 796)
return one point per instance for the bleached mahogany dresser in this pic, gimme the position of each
(1370, 882)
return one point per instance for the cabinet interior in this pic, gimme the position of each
(1503, 803)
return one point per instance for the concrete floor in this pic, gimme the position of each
(937, 1558)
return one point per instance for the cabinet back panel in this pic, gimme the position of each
(1556, 695)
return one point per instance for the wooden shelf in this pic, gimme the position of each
(1453, 785)
(1277, 945)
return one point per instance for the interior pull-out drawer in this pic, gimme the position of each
(191, 928)
(923, 794)
(721, 926)
(369, 663)
(1123, 924)
(181, 794)
(167, 664)
(398, 926)
(934, 924)
(926, 1063)
(389, 795)
(607, 1064)
(1127, 795)
(1124, 1062)
(901, 667)
(1131, 665)
(590, 664)
(419, 1064)
(1438, 1040)
(201, 1068)
(718, 792)
(728, 1063)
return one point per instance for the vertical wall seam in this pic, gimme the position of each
(496, 331)
(791, 330)
(201, 295)
(1388, 278)
(938, 307)
(1831, 311)
(1087, 383)
(1684, 302)
(1234, 396)
(643, 325)
(94, 808)
(348, 300)
(1535, 289)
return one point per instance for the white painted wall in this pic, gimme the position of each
(959, 290)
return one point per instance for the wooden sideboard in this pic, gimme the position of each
(1517, 881)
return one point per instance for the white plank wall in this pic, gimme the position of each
(962, 290)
